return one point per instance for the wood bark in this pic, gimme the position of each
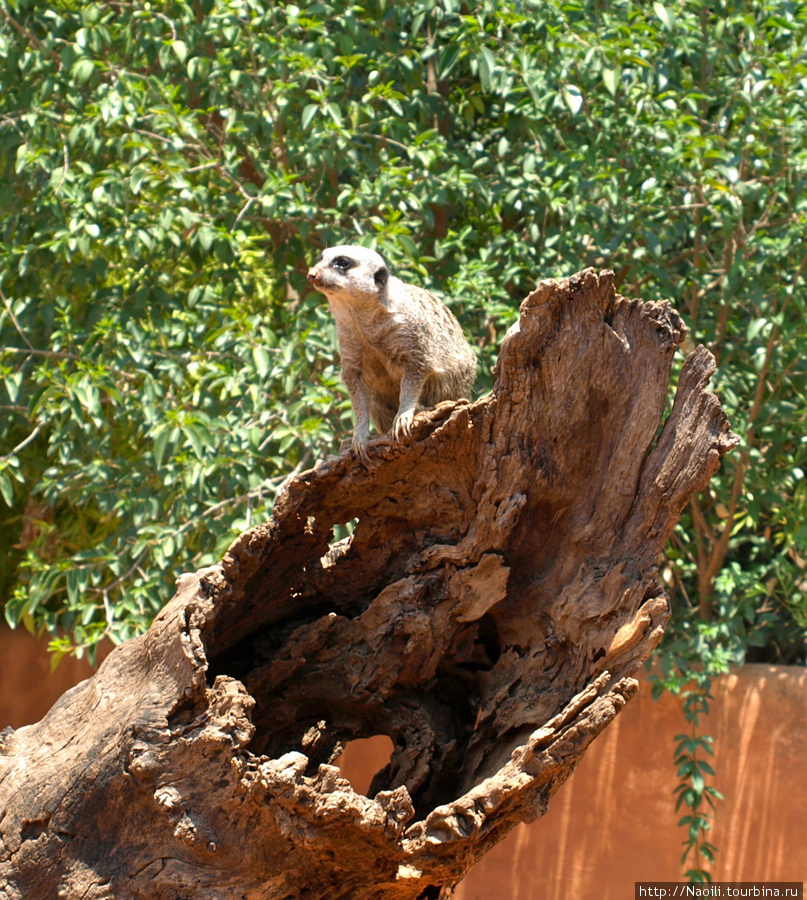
(498, 591)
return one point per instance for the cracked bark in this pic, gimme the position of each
(499, 590)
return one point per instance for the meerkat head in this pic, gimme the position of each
(350, 272)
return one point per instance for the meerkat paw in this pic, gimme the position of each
(359, 445)
(402, 426)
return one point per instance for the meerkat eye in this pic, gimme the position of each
(343, 263)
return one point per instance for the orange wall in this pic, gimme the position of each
(613, 822)
(28, 689)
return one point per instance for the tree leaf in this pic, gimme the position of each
(573, 98)
(180, 48)
(6, 489)
(666, 16)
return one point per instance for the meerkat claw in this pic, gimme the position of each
(360, 449)
(402, 426)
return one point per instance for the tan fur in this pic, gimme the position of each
(402, 350)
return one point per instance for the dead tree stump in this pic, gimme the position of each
(498, 591)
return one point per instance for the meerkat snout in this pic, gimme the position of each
(348, 273)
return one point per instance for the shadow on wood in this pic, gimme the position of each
(497, 593)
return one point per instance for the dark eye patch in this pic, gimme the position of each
(343, 263)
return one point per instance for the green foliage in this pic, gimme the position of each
(693, 791)
(692, 660)
(170, 170)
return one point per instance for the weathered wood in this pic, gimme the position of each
(499, 589)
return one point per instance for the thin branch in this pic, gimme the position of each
(121, 578)
(251, 198)
(213, 164)
(720, 549)
(386, 140)
(700, 520)
(28, 35)
(244, 210)
(63, 354)
(276, 483)
(153, 134)
(170, 22)
(17, 325)
(31, 437)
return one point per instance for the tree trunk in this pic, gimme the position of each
(498, 591)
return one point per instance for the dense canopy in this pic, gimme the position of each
(170, 170)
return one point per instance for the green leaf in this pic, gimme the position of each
(262, 361)
(206, 236)
(573, 98)
(82, 69)
(198, 67)
(486, 64)
(667, 17)
(447, 62)
(410, 246)
(6, 489)
(160, 444)
(193, 438)
(755, 326)
(308, 115)
(13, 385)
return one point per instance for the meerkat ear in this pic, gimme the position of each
(381, 277)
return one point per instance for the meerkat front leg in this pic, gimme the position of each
(411, 390)
(360, 401)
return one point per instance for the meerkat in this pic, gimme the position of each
(402, 349)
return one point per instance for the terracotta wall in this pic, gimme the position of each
(613, 822)
(28, 688)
